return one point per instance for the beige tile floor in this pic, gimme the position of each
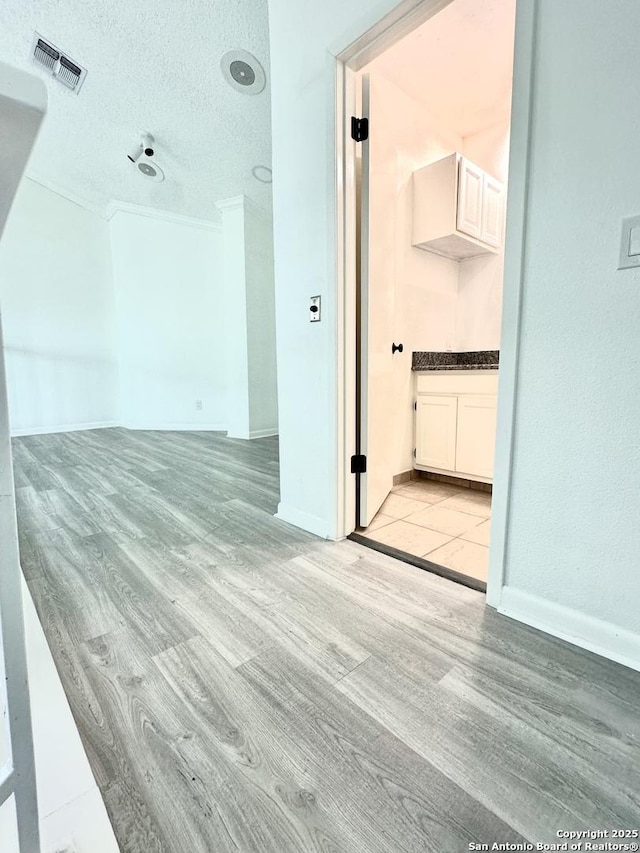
(444, 524)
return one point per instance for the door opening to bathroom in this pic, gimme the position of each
(431, 171)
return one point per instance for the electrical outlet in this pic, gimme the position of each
(199, 405)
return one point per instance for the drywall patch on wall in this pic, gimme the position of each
(58, 310)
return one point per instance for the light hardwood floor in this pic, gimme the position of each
(242, 686)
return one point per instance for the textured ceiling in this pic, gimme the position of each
(152, 66)
(459, 64)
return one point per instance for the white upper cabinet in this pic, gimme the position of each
(492, 212)
(458, 209)
(470, 213)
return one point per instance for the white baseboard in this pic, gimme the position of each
(160, 427)
(256, 433)
(155, 427)
(310, 523)
(263, 433)
(46, 430)
(587, 632)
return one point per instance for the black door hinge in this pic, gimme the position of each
(359, 129)
(414, 453)
(415, 406)
(359, 464)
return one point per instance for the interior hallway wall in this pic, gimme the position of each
(58, 312)
(574, 539)
(169, 285)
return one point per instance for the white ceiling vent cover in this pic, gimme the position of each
(58, 64)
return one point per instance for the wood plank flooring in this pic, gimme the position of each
(242, 686)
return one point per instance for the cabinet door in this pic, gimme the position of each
(436, 431)
(476, 436)
(492, 216)
(470, 199)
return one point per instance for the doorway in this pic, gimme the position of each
(432, 174)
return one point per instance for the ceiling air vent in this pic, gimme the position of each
(63, 69)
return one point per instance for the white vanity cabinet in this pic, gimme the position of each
(458, 209)
(436, 426)
(455, 423)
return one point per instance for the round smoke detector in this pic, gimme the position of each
(150, 170)
(243, 72)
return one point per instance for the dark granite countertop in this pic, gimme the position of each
(485, 360)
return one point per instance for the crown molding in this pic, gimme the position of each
(234, 203)
(67, 194)
(241, 201)
(115, 206)
(165, 215)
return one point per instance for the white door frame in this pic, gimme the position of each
(401, 21)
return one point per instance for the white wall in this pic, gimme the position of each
(479, 312)
(235, 331)
(250, 345)
(170, 316)
(58, 311)
(261, 321)
(573, 532)
(132, 321)
(304, 238)
(574, 537)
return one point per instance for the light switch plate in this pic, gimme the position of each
(630, 243)
(314, 309)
